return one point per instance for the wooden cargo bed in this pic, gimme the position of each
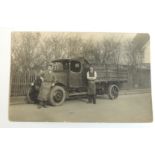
(108, 73)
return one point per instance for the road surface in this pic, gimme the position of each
(127, 108)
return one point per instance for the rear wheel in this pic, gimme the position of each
(113, 91)
(57, 96)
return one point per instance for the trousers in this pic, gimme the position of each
(92, 98)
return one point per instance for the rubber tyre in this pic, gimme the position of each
(113, 91)
(57, 96)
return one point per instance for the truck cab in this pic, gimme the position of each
(71, 73)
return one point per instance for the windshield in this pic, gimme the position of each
(59, 66)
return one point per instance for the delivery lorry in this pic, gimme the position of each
(71, 80)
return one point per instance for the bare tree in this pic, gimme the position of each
(74, 45)
(108, 51)
(23, 49)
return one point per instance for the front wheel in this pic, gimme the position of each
(57, 96)
(113, 91)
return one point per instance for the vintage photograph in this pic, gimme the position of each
(80, 77)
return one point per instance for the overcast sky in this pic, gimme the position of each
(94, 35)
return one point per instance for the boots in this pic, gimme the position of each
(42, 104)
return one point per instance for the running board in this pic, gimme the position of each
(78, 94)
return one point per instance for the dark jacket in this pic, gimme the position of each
(48, 79)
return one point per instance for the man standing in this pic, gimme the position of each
(48, 79)
(91, 77)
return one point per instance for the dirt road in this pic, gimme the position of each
(127, 108)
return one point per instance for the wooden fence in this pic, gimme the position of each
(20, 83)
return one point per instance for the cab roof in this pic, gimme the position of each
(70, 59)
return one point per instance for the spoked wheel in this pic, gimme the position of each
(113, 91)
(57, 96)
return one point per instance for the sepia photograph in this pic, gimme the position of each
(80, 77)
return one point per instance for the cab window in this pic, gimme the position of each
(75, 66)
(58, 67)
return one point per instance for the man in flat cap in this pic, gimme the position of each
(48, 77)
